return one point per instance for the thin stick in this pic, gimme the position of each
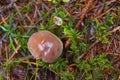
(115, 29)
(84, 11)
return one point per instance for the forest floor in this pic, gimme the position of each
(89, 30)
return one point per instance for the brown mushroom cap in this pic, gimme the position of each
(45, 45)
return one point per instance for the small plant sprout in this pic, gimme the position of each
(55, 1)
(45, 45)
(57, 20)
(65, 0)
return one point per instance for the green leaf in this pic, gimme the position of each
(12, 44)
(65, 0)
(10, 20)
(3, 28)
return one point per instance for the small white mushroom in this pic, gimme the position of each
(57, 20)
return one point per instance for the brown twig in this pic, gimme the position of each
(14, 53)
(4, 21)
(115, 29)
(30, 20)
(19, 13)
(104, 13)
(83, 13)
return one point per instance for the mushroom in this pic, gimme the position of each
(45, 45)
